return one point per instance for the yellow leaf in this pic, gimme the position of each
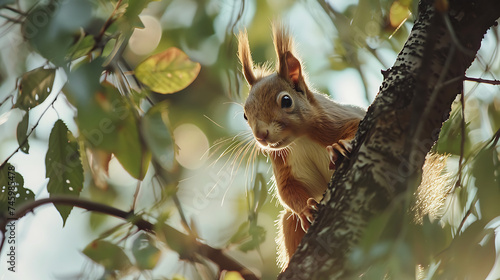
(399, 13)
(233, 275)
(167, 72)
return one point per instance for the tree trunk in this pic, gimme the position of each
(398, 131)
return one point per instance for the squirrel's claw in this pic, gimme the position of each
(307, 214)
(338, 151)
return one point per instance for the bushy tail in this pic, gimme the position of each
(435, 186)
(290, 234)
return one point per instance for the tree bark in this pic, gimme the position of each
(397, 132)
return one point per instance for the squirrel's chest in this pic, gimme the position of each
(308, 162)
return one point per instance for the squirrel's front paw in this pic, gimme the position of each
(338, 151)
(307, 214)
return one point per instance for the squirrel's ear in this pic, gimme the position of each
(289, 66)
(245, 57)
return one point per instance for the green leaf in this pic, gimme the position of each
(63, 166)
(483, 257)
(167, 72)
(428, 240)
(471, 255)
(259, 192)
(154, 127)
(82, 85)
(249, 236)
(108, 48)
(494, 113)
(108, 255)
(130, 20)
(129, 151)
(11, 180)
(35, 86)
(81, 48)
(450, 138)
(145, 253)
(106, 121)
(124, 25)
(487, 183)
(134, 9)
(184, 245)
(258, 236)
(51, 28)
(22, 134)
(241, 234)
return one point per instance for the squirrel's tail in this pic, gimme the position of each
(290, 234)
(434, 188)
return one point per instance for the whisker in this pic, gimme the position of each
(251, 162)
(233, 144)
(214, 122)
(216, 146)
(237, 150)
(238, 155)
(242, 152)
(218, 143)
(236, 114)
(233, 102)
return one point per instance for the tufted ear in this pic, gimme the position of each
(245, 57)
(289, 66)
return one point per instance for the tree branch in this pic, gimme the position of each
(215, 255)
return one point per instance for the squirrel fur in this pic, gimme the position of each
(302, 131)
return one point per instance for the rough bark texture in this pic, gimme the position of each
(399, 129)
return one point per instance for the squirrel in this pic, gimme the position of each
(303, 132)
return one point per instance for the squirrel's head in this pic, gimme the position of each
(279, 104)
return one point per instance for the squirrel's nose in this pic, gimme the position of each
(261, 136)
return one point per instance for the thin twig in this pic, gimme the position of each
(496, 137)
(483, 81)
(137, 190)
(14, 20)
(108, 22)
(31, 131)
(469, 212)
(5, 100)
(462, 141)
(14, 10)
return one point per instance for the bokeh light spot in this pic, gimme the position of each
(192, 144)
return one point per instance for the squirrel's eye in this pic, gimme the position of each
(286, 101)
(245, 116)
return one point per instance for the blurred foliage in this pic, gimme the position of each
(107, 254)
(84, 52)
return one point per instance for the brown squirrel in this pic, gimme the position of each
(303, 132)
